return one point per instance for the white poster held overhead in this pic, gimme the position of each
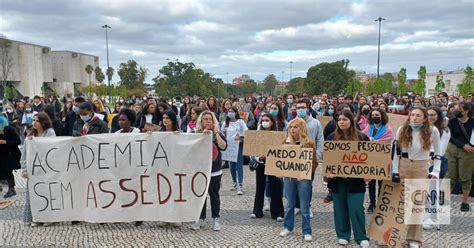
(119, 177)
(231, 153)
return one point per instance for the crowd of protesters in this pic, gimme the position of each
(435, 141)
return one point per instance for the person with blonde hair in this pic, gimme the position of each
(415, 140)
(298, 135)
(207, 123)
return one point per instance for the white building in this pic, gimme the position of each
(69, 71)
(451, 81)
(35, 65)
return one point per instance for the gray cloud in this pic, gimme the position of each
(251, 37)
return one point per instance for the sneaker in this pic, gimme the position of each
(308, 238)
(297, 211)
(342, 242)
(413, 245)
(75, 222)
(198, 224)
(310, 213)
(266, 205)
(465, 207)
(240, 190)
(371, 208)
(217, 225)
(364, 243)
(161, 223)
(34, 224)
(48, 223)
(280, 219)
(10, 193)
(233, 187)
(253, 216)
(284, 232)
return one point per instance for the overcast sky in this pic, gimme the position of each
(252, 37)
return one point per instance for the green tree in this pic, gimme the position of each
(296, 85)
(467, 86)
(402, 81)
(331, 78)
(420, 84)
(99, 75)
(89, 70)
(269, 83)
(388, 82)
(353, 86)
(6, 64)
(110, 73)
(439, 82)
(132, 75)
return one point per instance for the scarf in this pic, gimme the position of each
(192, 124)
(380, 131)
(85, 128)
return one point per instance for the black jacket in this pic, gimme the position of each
(71, 118)
(10, 153)
(354, 185)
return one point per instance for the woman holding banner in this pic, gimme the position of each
(348, 193)
(267, 123)
(378, 130)
(415, 138)
(234, 128)
(207, 123)
(42, 127)
(298, 135)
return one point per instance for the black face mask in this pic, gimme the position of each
(366, 111)
(376, 120)
(457, 114)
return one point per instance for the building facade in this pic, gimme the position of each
(451, 81)
(35, 68)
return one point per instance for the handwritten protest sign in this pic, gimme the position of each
(387, 225)
(119, 177)
(396, 121)
(256, 142)
(357, 159)
(232, 151)
(324, 120)
(289, 161)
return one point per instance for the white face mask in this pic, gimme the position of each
(10, 111)
(265, 124)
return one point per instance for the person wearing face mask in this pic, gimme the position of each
(72, 116)
(27, 119)
(274, 185)
(287, 109)
(9, 154)
(363, 116)
(315, 130)
(234, 128)
(460, 151)
(13, 118)
(378, 130)
(415, 138)
(226, 105)
(88, 123)
(276, 111)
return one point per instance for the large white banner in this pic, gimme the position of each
(119, 177)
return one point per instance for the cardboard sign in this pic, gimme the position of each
(289, 161)
(119, 177)
(388, 222)
(324, 120)
(257, 142)
(357, 159)
(396, 121)
(6, 203)
(231, 153)
(244, 116)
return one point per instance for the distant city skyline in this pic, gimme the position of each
(252, 38)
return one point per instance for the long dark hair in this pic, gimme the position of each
(44, 121)
(172, 115)
(237, 116)
(440, 124)
(280, 120)
(273, 126)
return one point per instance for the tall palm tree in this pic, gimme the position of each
(89, 70)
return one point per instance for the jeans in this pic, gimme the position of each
(303, 187)
(237, 169)
(214, 187)
(297, 204)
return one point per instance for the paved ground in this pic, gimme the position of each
(238, 228)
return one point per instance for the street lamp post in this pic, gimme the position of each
(291, 70)
(380, 19)
(107, 47)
